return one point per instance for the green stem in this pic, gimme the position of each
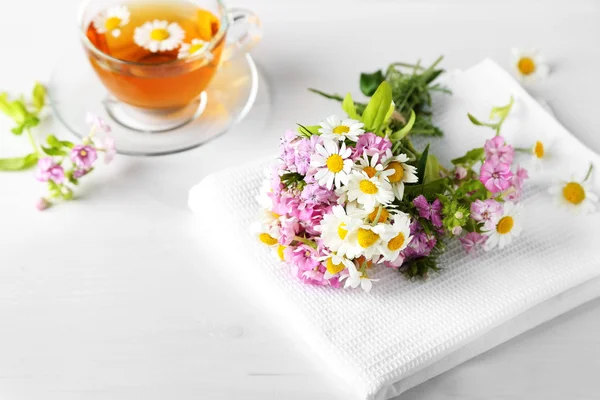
(589, 172)
(33, 142)
(327, 95)
(305, 241)
(523, 150)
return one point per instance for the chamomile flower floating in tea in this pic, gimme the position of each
(529, 66)
(159, 36)
(575, 196)
(197, 46)
(112, 20)
(507, 228)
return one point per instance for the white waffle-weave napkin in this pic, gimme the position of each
(402, 333)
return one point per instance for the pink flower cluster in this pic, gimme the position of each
(496, 174)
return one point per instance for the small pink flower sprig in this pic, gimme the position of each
(67, 163)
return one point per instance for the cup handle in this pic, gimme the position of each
(244, 33)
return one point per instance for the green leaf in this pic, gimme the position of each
(374, 115)
(471, 157)
(18, 130)
(429, 190)
(5, 106)
(326, 95)
(67, 144)
(432, 169)
(18, 163)
(53, 141)
(422, 165)
(31, 121)
(474, 189)
(19, 111)
(370, 82)
(53, 151)
(475, 121)
(349, 107)
(406, 129)
(306, 131)
(39, 96)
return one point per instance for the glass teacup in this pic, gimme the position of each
(156, 58)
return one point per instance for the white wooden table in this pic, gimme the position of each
(109, 298)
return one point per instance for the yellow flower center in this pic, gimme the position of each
(526, 66)
(538, 149)
(280, 252)
(366, 238)
(159, 34)
(396, 242)
(368, 187)
(112, 23)
(83, 153)
(335, 163)
(505, 225)
(574, 193)
(342, 232)
(333, 268)
(338, 130)
(382, 217)
(370, 171)
(267, 239)
(196, 48)
(275, 216)
(398, 172)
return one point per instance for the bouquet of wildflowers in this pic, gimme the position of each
(352, 194)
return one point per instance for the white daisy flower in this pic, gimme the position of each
(334, 128)
(367, 241)
(333, 164)
(372, 166)
(399, 237)
(401, 172)
(368, 192)
(158, 36)
(197, 46)
(362, 280)
(529, 65)
(335, 264)
(574, 196)
(267, 234)
(335, 227)
(507, 228)
(112, 20)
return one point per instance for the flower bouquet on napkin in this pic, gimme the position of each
(353, 193)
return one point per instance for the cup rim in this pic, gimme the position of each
(225, 22)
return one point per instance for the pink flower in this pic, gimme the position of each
(109, 146)
(460, 173)
(515, 192)
(495, 177)
(83, 156)
(498, 151)
(304, 257)
(48, 170)
(421, 243)
(304, 149)
(42, 204)
(78, 173)
(289, 229)
(432, 212)
(487, 212)
(97, 122)
(371, 144)
(471, 240)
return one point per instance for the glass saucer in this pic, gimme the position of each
(74, 90)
